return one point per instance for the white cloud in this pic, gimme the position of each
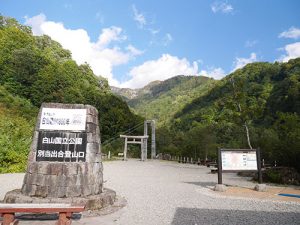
(241, 62)
(134, 51)
(139, 17)
(222, 7)
(163, 68)
(250, 43)
(99, 55)
(154, 31)
(167, 39)
(110, 34)
(36, 23)
(99, 17)
(216, 73)
(291, 51)
(293, 32)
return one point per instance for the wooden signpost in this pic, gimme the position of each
(236, 160)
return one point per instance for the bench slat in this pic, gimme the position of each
(40, 208)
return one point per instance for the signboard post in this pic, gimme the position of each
(236, 160)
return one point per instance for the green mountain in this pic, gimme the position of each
(36, 69)
(160, 100)
(256, 106)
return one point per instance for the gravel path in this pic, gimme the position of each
(178, 194)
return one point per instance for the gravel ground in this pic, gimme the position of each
(178, 194)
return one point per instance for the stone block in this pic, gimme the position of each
(92, 148)
(94, 158)
(41, 191)
(97, 167)
(220, 187)
(30, 178)
(69, 169)
(56, 168)
(61, 192)
(91, 127)
(93, 138)
(51, 180)
(77, 106)
(91, 179)
(43, 168)
(86, 190)
(92, 119)
(83, 168)
(79, 179)
(72, 180)
(73, 191)
(32, 189)
(25, 189)
(40, 179)
(260, 187)
(61, 181)
(32, 156)
(90, 138)
(92, 110)
(98, 139)
(32, 167)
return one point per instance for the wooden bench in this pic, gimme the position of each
(7, 211)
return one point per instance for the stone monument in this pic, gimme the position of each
(64, 163)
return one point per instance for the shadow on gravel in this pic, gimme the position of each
(44, 216)
(203, 184)
(194, 216)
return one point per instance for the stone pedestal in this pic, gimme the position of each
(220, 187)
(260, 187)
(64, 162)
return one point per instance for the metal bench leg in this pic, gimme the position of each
(64, 218)
(9, 219)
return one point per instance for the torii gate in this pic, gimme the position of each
(142, 140)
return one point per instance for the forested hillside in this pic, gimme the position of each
(262, 98)
(162, 99)
(36, 69)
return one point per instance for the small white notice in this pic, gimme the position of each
(239, 160)
(63, 119)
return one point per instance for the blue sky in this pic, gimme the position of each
(132, 43)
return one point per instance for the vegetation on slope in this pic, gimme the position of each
(263, 97)
(164, 99)
(36, 69)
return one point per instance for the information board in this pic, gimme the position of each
(61, 146)
(63, 119)
(239, 160)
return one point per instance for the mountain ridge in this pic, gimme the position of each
(159, 100)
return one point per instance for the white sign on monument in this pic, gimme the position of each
(239, 160)
(63, 119)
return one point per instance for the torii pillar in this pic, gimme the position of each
(153, 143)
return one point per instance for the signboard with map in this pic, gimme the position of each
(235, 160)
(239, 160)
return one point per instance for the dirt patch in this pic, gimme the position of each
(270, 194)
